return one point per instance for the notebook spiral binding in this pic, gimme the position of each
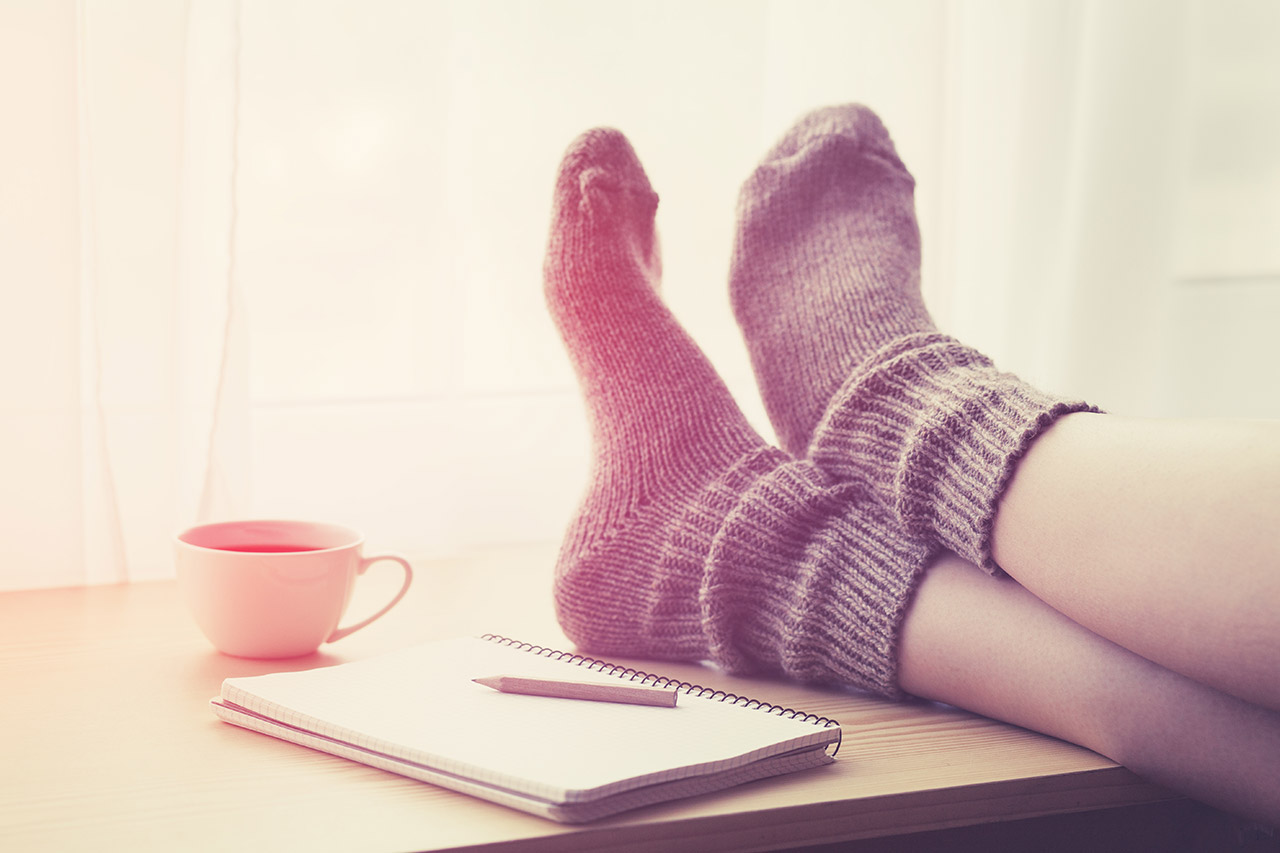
(652, 680)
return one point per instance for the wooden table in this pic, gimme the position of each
(109, 744)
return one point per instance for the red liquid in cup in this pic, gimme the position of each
(269, 548)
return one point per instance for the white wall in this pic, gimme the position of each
(1222, 346)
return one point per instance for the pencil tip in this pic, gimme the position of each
(493, 681)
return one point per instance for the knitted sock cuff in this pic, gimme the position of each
(937, 431)
(807, 578)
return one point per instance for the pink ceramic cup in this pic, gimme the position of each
(274, 589)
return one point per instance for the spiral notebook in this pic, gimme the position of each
(418, 713)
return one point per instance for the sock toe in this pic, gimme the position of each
(601, 160)
(602, 255)
(851, 124)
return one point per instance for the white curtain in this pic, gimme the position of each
(283, 259)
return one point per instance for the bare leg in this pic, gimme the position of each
(1163, 536)
(991, 647)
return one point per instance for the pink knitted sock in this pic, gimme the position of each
(695, 539)
(826, 287)
(826, 263)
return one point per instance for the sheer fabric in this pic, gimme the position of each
(282, 259)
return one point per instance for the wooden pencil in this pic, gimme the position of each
(629, 694)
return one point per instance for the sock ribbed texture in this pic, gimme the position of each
(826, 263)
(935, 430)
(695, 540)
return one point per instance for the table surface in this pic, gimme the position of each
(109, 743)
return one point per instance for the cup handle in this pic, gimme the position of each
(339, 633)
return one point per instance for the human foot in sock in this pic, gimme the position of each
(826, 262)
(826, 288)
(695, 539)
